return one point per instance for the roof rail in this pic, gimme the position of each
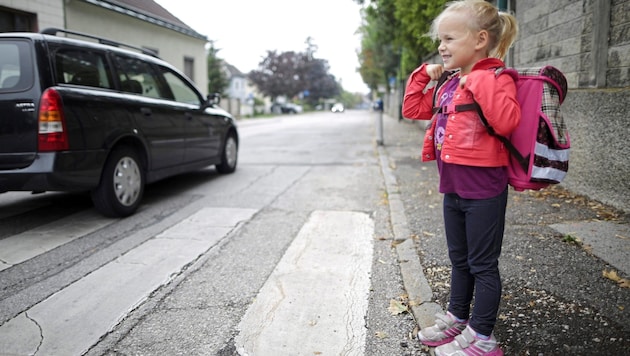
(53, 31)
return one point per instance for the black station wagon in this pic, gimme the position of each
(79, 115)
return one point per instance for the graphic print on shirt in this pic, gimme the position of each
(445, 99)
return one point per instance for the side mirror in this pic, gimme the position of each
(214, 99)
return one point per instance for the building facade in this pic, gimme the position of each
(141, 23)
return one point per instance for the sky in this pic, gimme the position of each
(244, 30)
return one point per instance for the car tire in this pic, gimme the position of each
(229, 155)
(122, 184)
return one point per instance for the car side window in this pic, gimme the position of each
(81, 67)
(16, 66)
(182, 92)
(138, 77)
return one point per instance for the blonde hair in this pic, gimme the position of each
(502, 27)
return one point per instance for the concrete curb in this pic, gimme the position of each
(415, 283)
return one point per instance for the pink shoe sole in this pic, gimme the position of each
(497, 352)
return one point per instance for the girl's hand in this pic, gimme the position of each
(435, 71)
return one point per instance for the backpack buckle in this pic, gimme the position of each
(447, 109)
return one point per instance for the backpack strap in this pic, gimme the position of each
(522, 161)
(446, 75)
(474, 106)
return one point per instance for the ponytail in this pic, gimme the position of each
(509, 30)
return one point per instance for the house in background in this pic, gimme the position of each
(240, 100)
(241, 94)
(141, 23)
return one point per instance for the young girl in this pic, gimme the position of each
(473, 37)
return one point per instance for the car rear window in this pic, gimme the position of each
(81, 67)
(16, 66)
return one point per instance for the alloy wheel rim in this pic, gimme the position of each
(127, 181)
(230, 151)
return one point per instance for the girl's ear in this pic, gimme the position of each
(482, 39)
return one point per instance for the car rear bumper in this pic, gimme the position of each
(56, 171)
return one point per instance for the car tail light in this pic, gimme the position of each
(52, 125)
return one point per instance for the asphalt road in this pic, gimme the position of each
(293, 252)
(223, 265)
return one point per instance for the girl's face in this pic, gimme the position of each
(459, 46)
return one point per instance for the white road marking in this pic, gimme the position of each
(316, 299)
(93, 305)
(24, 246)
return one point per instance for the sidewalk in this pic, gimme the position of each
(562, 254)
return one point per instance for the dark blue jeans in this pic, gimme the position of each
(474, 234)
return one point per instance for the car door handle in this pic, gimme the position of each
(145, 111)
(188, 116)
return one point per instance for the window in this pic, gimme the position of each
(81, 67)
(189, 67)
(182, 92)
(138, 77)
(16, 67)
(13, 21)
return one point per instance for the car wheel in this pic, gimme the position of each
(229, 157)
(122, 184)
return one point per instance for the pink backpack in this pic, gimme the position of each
(539, 147)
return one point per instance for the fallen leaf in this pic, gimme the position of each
(613, 276)
(381, 334)
(396, 307)
(413, 303)
(414, 332)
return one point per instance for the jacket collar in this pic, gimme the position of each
(488, 63)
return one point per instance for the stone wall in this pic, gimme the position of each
(588, 39)
(599, 164)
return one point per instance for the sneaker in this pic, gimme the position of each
(444, 331)
(467, 343)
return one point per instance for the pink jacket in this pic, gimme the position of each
(466, 140)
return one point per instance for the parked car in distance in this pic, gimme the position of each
(291, 108)
(84, 116)
(286, 108)
(338, 107)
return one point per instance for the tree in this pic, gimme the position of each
(394, 38)
(415, 22)
(318, 82)
(279, 74)
(380, 54)
(290, 74)
(217, 78)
